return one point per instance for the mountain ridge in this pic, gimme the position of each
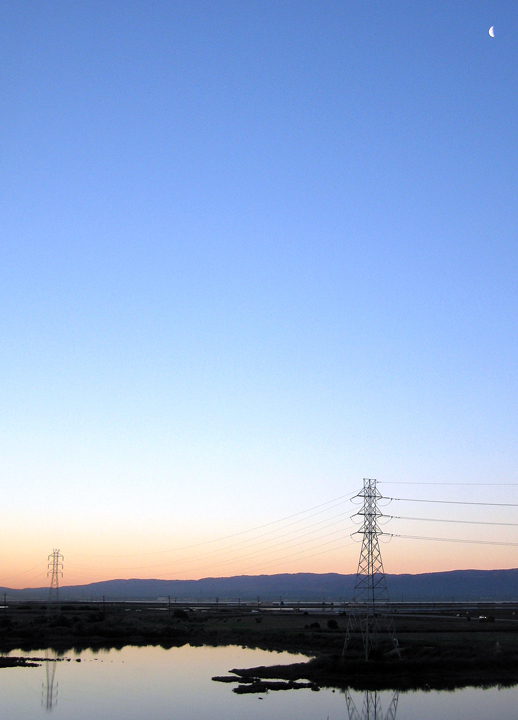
(457, 585)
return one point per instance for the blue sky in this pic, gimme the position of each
(251, 253)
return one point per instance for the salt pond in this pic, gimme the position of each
(158, 684)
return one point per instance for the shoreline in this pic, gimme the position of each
(437, 652)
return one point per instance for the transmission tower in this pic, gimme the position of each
(55, 570)
(370, 606)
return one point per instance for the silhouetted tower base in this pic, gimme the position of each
(370, 609)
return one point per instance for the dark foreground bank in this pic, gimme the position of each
(437, 651)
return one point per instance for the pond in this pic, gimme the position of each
(159, 684)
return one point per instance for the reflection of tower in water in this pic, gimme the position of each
(371, 709)
(49, 693)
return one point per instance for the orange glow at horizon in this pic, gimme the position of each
(323, 539)
(399, 558)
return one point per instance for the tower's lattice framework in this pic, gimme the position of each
(55, 571)
(370, 606)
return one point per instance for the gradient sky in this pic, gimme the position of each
(252, 252)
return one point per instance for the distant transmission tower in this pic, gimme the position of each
(55, 571)
(370, 606)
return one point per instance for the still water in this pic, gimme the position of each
(157, 684)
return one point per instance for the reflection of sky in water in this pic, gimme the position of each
(176, 684)
(460, 705)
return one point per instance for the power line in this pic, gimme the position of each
(292, 532)
(293, 555)
(25, 572)
(299, 536)
(337, 501)
(456, 484)
(276, 560)
(453, 540)
(452, 502)
(270, 546)
(464, 522)
(211, 557)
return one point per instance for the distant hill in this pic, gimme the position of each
(457, 584)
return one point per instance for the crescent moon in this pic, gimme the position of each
(491, 31)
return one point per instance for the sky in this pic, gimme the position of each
(251, 253)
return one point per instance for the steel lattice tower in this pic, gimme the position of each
(370, 606)
(55, 570)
